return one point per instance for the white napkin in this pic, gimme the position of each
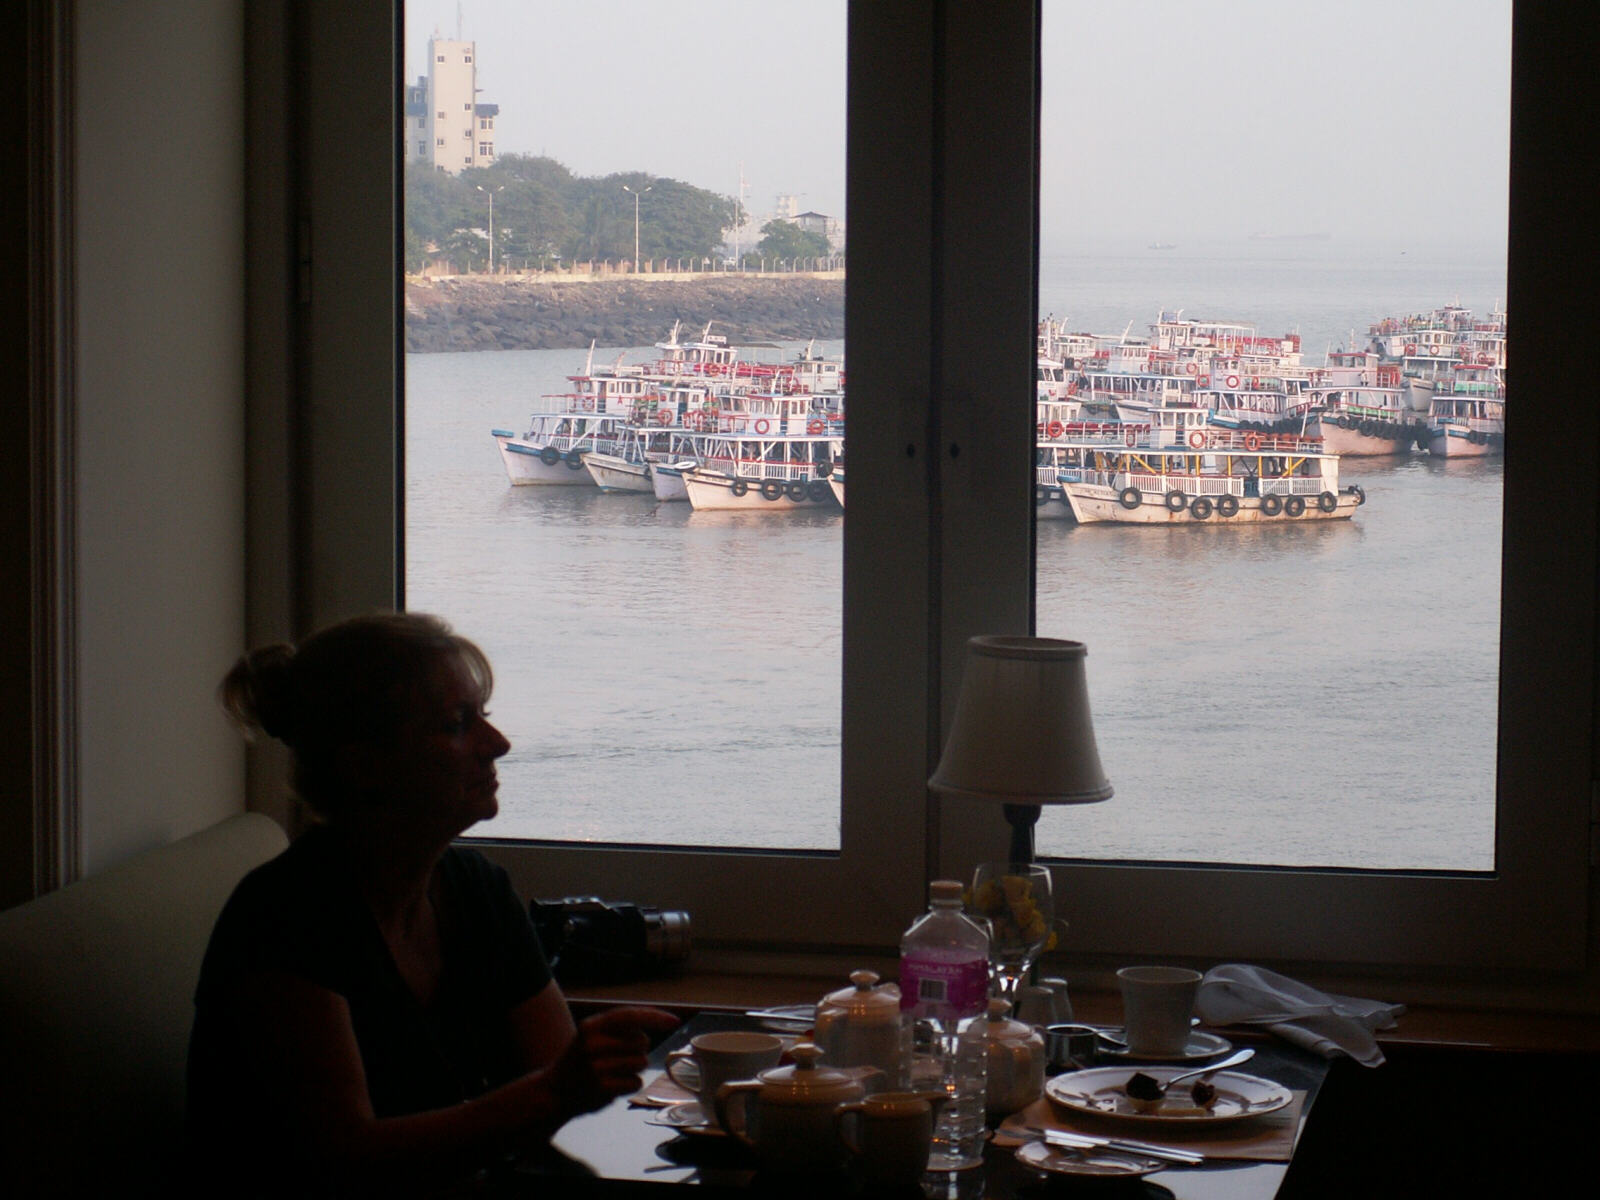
(1239, 994)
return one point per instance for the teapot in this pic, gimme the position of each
(859, 1026)
(1016, 1062)
(787, 1114)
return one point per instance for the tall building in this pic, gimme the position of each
(445, 125)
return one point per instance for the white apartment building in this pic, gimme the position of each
(445, 126)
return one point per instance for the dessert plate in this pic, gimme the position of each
(1095, 1164)
(1101, 1092)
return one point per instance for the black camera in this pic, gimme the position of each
(589, 940)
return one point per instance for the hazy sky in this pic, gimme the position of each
(1163, 119)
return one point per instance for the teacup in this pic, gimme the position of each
(889, 1134)
(1157, 1003)
(719, 1058)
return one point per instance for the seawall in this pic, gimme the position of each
(539, 314)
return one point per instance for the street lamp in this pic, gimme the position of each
(636, 196)
(489, 192)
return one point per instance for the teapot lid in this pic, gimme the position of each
(865, 999)
(807, 1081)
(1002, 1028)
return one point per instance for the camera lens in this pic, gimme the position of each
(666, 936)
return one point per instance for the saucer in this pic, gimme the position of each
(688, 1118)
(1086, 1164)
(1200, 1046)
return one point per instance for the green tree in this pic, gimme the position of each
(785, 239)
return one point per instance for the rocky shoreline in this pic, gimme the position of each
(536, 314)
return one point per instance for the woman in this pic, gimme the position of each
(374, 1009)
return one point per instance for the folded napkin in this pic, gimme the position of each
(1239, 994)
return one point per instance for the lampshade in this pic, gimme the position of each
(1022, 734)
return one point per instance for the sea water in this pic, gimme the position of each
(1331, 686)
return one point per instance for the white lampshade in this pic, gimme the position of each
(1022, 733)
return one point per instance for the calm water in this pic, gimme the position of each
(1329, 686)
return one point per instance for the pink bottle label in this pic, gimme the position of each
(958, 989)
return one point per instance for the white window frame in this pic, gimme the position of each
(939, 542)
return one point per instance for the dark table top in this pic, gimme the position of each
(615, 1152)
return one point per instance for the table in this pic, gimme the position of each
(619, 1154)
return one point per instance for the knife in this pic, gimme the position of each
(1084, 1141)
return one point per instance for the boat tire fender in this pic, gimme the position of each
(795, 489)
(549, 456)
(1176, 502)
(1130, 497)
(824, 469)
(1227, 506)
(771, 490)
(817, 491)
(1294, 506)
(573, 458)
(1200, 509)
(1041, 495)
(738, 487)
(1355, 490)
(1327, 502)
(1271, 505)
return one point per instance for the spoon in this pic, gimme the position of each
(1162, 1088)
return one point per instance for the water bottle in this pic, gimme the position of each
(944, 987)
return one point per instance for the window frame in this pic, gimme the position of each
(937, 226)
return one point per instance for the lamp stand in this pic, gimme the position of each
(1022, 818)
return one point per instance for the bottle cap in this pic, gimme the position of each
(945, 889)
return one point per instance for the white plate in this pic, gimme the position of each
(1096, 1164)
(1100, 1091)
(687, 1118)
(1200, 1047)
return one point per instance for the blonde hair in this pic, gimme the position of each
(353, 682)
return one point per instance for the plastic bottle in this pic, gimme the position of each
(944, 986)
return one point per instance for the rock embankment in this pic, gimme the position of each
(527, 314)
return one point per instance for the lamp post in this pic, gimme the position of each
(489, 192)
(636, 196)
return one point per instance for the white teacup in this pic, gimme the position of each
(1157, 1004)
(713, 1059)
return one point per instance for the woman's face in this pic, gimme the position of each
(441, 766)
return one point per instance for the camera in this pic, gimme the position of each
(589, 940)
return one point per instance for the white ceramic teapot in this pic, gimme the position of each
(1016, 1062)
(859, 1026)
(787, 1114)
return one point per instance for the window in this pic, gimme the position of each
(951, 242)
(485, 148)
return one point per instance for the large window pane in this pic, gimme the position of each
(1330, 685)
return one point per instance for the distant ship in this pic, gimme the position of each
(1163, 246)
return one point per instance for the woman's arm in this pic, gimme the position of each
(301, 1052)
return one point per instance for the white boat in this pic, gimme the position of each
(836, 482)
(1360, 407)
(1466, 426)
(629, 467)
(1229, 478)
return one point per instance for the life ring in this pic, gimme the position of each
(771, 489)
(1193, 368)
(1038, 430)
(1130, 497)
(1327, 502)
(1197, 440)
(1055, 429)
(1271, 505)
(1294, 506)
(1131, 438)
(1252, 441)
(738, 487)
(1176, 502)
(549, 456)
(663, 416)
(795, 489)
(762, 425)
(815, 427)
(1228, 505)
(1204, 381)
(1411, 347)
(1232, 381)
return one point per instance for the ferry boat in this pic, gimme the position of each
(769, 452)
(1215, 477)
(1359, 407)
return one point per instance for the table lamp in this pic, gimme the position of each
(1022, 735)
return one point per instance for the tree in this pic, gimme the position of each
(785, 239)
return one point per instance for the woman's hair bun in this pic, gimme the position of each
(259, 692)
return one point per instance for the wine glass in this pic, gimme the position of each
(1015, 900)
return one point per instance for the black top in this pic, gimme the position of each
(301, 915)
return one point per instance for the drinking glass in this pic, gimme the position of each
(1015, 900)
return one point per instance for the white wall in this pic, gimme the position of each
(159, 195)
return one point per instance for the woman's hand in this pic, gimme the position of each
(604, 1060)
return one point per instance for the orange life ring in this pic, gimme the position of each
(1193, 368)
(814, 427)
(664, 416)
(1197, 440)
(1131, 438)
(1252, 441)
(1055, 429)
(1233, 381)
(1411, 347)
(762, 425)
(1204, 381)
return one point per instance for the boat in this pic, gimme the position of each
(1466, 425)
(1360, 407)
(1214, 476)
